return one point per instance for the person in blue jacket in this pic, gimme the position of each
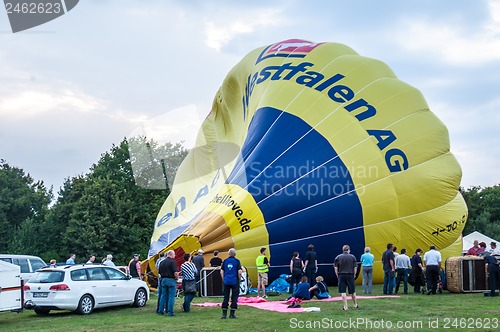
(231, 275)
(302, 291)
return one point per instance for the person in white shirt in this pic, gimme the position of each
(494, 250)
(109, 261)
(432, 262)
(402, 270)
(91, 260)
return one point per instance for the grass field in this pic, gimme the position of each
(413, 312)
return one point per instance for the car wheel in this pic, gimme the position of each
(140, 298)
(42, 312)
(86, 305)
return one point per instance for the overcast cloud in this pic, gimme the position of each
(71, 88)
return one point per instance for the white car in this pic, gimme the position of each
(28, 264)
(82, 288)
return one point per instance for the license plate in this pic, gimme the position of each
(44, 294)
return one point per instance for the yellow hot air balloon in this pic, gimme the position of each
(311, 143)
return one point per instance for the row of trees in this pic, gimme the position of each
(112, 208)
(484, 210)
(98, 213)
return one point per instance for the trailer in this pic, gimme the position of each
(11, 287)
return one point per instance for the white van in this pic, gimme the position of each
(28, 264)
(11, 287)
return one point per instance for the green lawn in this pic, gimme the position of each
(418, 312)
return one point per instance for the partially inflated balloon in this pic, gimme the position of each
(331, 149)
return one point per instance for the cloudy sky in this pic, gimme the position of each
(72, 87)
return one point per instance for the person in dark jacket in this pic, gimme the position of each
(320, 290)
(216, 260)
(169, 275)
(296, 267)
(389, 269)
(493, 271)
(311, 263)
(199, 262)
(416, 276)
(134, 267)
(302, 291)
(231, 275)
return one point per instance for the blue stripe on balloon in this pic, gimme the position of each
(317, 207)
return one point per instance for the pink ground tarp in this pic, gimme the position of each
(282, 306)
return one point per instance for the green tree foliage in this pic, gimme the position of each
(23, 207)
(110, 210)
(59, 215)
(484, 210)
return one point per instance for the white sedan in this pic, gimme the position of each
(82, 288)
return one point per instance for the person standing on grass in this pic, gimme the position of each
(311, 264)
(188, 271)
(389, 271)
(395, 252)
(367, 260)
(403, 270)
(296, 267)
(231, 275)
(262, 264)
(492, 271)
(432, 261)
(158, 287)
(345, 267)
(416, 271)
(216, 261)
(169, 275)
(199, 262)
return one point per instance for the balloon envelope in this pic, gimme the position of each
(326, 147)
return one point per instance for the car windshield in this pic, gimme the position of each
(47, 277)
(37, 264)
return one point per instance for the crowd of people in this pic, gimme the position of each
(231, 271)
(401, 268)
(421, 270)
(491, 264)
(168, 274)
(304, 284)
(133, 267)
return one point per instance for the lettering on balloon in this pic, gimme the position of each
(451, 226)
(228, 201)
(180, 205)
(395, 159)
